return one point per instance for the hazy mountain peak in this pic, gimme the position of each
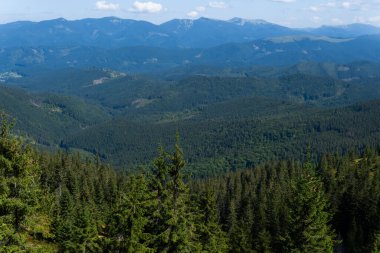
(187, 23)
(177, 25)
(350, 30)
(242, 21)
(57, 20)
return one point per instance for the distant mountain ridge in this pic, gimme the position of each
(345, 31)
(112, 32)
(279, 51)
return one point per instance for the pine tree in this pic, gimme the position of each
(309, 229)
(18, 188)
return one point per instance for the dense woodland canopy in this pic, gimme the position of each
(65, 203)
(229, 118)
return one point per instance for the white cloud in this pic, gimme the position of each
(200, 9)
(374, 19)
(106, 6)
(330, 4)
(346, 5)
(315, 8)
(316, 19)
(284, 1)
(146, 7)
(218, 5)
(356, 5)
(360, 20)
(322, 7)
(337, 21)
(193, 14)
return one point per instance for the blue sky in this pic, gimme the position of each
(292, 13)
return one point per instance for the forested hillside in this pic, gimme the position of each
(223, 120)
(240, 141)
(63, 203)
(194, 135)
(45, 118)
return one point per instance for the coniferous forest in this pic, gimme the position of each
(60, 202)
(195, 135)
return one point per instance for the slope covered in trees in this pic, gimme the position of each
(46, 118)
(224, 118)
(240, 137)
(65, 203)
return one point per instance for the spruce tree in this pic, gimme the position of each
(309, 229)
(127, 228)
(18, 188)
(74, 227)
(211, 235)
(238, 234)
(376, 244)
(63, 221)
(173, 222)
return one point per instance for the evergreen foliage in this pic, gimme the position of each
(127, 227)
(173, 222)
(309, 217)
(18, 188)
(211, 236)
(66, 203)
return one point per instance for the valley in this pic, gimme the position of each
(262, 112)
(226, 133)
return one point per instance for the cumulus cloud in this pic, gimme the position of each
(324, 6)
(353, 5)
(284, 1)
(375, 19)
(330, 4)
(146, 7)
(337, 21)
(316, 19)
(346, 5)
(315, 8)
(106, 6)
(218, 5)
(193, 14)
(200, 9)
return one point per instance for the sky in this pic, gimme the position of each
(291, 13)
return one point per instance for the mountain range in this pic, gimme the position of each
(112, 32)
(113, 87)
(140, 46)
(278, 51)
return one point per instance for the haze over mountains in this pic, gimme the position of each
(113, 32)
(136, 82)
(139, 46)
